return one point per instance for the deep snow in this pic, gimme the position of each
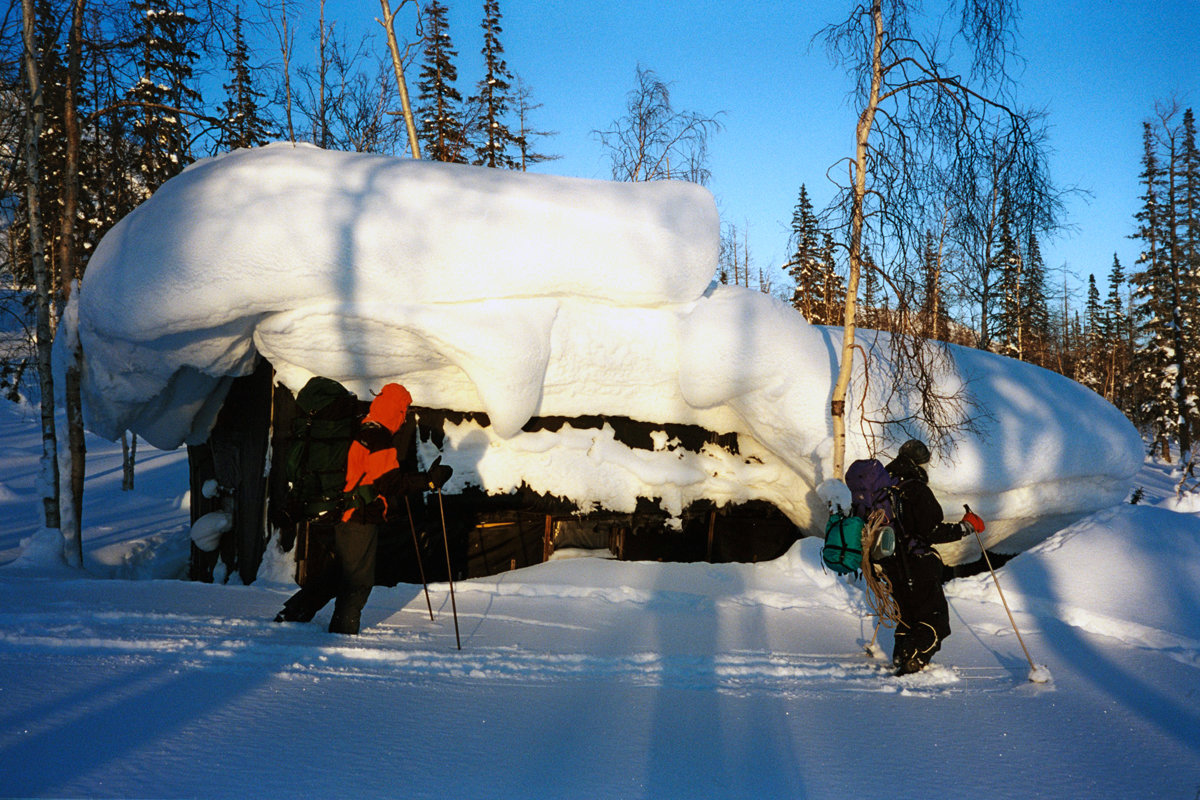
(586, 677)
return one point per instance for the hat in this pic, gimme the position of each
(915, 451)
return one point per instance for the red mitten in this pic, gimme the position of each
(974, 520)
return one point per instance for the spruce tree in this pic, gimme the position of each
(495, 145)
(439, 104)
(805, 267)
(1187, 216)
(1034, 313)
(934, 315)
(929, 278)
(163, 94)
(873, 313)
(832, 298)
(1006, 262)
(1158, 367)
(241, 123)
(1118, 339)
(1090, 374)
(528, 134)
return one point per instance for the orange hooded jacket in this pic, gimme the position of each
(365, 466)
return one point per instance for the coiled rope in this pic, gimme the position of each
(879, 588)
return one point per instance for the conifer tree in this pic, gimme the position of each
(1188, 233)
(1006, 262)
(872, 314)
(527, 134)
(163, 94)
(1161, 362)
(241, 123)
(934, 319)
(1091, 364)
(805, 266)
(1114, 305)
(495, 145)
(439, 104)
(1118, 340)
(833, 287)
(1034, 314)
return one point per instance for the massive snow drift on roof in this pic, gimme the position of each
(525, 295)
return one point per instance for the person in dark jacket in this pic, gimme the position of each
(915, 571)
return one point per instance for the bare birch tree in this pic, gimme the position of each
(71, 271)
(389, 25)
(917, 118)
(37, 247)
(655, 141)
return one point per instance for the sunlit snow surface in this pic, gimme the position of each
(584, 677)
(525, 295)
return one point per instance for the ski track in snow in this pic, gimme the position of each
(304, 652)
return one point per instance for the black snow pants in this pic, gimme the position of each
(355, 544)
(924, 615)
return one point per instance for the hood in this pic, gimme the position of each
(390, 407)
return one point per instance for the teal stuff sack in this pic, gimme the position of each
(842, 552)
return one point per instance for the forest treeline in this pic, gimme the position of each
(101, 101)
(986, 286)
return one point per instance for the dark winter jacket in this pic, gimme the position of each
(920, 514)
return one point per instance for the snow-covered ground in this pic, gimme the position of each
(586, 677)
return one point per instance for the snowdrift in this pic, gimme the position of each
(523, 295)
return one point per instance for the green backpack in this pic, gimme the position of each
(315, 464)
(842, 552)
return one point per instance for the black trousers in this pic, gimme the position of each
(355, 544)
(924, 616)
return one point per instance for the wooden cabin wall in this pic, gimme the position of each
(235, 456)
(486, 534)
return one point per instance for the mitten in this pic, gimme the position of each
(971, 522)
(438, 474)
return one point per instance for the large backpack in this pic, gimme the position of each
(870, 487)
(315, 465)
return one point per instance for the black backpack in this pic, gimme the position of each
(315, 465)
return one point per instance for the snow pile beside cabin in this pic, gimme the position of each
(522, 295)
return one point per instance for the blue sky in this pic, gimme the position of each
(1097, 68)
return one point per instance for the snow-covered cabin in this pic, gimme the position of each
(565, 346)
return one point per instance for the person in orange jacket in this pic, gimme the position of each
(375, 487)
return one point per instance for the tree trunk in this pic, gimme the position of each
(837, 404)
(322, 132)
(388, 22)
(69, 269)
(285, 46)
(37, 249)
(128, 459)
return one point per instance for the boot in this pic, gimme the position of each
(347, 610)
(346, 623)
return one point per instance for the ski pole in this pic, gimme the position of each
(417, 548)
(449, 570)
(1036, 674)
